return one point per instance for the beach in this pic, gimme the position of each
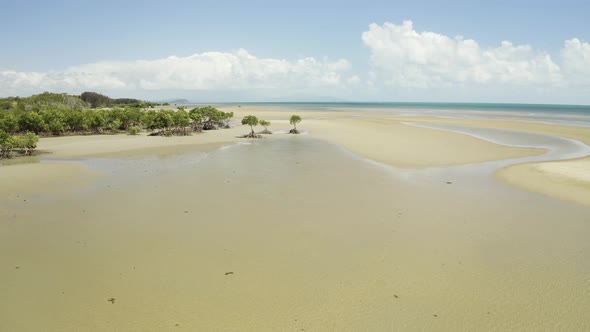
(366, 221)
(379, 137)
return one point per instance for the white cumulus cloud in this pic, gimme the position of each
(576, 61)
(407, 58)
(209, 71)
(404, 63)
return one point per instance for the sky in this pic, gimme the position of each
(233, 51)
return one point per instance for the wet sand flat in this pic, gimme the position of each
(567, 180)
(289, 233)
(394, 143)
(38, 178)
(380, 136)
(381, 139)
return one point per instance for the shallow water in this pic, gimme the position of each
(578, 115)
(557, 148)
(316, 238)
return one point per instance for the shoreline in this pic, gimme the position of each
(566, 180)
(299, 224)
(358, 233)
(405, 142)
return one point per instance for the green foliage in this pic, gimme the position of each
(195, 115)
(8, 122)
(36, 102)
(96, 100)
(163, 119)
(54, 120)
(7, 144)
(295, 119)
(148, 119)
(133, 115)
(114, 125)
(226, 118)
(96, 120)
(250, 120)
(131, 102)
(25, 144)
(32, 121)
(265, 124)
(181, 118)
(4, 137)
(75, 120)
(61, 114)
(209, 117)
(134, 130)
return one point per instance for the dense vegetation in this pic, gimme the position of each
(23, 119)
(62, 114)
(24, 145)
(97, 100)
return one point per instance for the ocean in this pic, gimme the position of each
(546, 113)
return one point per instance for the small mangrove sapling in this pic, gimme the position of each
(251, 121)
(295, 119)
(265, 124)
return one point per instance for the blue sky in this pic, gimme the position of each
(44, 43)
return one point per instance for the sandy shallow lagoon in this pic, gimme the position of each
(290, 233)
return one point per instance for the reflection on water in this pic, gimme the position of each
(19, 160)
(558, 148)
(291, 234)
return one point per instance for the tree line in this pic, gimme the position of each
(58, 121)
(97, 100)
(83, 101)
(21, 144)
(19, 130)
(48, 114)
(22, 120)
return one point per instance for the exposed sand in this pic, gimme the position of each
(378, 138)
(315, 238)
(567, 180)
(391, 142)
(383, 138)
(41, 178)
(577, 170)
(128, 146)
(373, 135)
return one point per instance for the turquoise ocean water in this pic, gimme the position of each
(542, 108)
(566, 114)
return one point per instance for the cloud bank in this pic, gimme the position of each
(405, 58)
(403, 64)
(236, 71)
